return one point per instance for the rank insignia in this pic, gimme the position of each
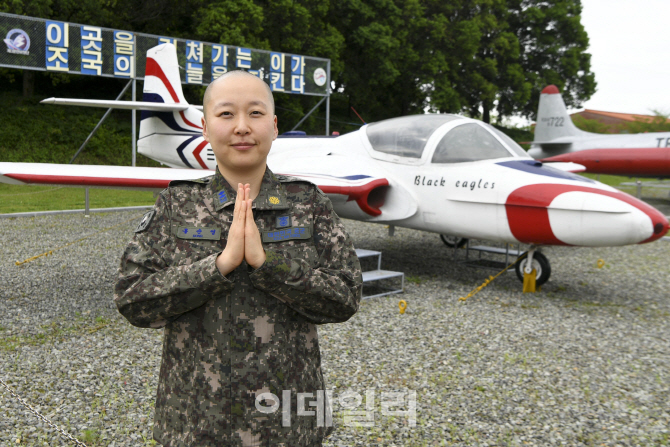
(223, 197)
(274, 200)
(283, 222)
(146, 220)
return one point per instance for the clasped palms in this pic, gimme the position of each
(244, 240)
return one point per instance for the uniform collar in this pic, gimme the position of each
(272, 195)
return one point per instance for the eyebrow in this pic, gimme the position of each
(252, 103)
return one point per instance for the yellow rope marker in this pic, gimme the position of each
(601, 263)
(402, 305)
(490, 279)
(529, 281)
(50, 252)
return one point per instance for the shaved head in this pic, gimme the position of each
(230, 77)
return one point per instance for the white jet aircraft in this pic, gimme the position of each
(558, 140)
(442, 173)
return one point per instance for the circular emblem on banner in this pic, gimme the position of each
(17, 41)
(320, 77)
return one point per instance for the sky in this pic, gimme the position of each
(629, 43)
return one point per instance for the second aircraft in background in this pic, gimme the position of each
(558, 139)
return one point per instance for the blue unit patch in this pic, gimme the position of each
(287, 234)
(223, 197)
(283, 222)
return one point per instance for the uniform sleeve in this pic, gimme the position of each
(323, 291)
(149, 292)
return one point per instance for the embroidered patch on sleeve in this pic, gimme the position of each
(146, 221)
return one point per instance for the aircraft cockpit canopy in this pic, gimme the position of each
(471, 142)
(405, 136)
(513, 145)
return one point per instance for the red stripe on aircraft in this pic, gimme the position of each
(649, 162)
(90, 181)
(196, 154)
(361, 194)
(153, 69)
(528, 215)
(181, 112)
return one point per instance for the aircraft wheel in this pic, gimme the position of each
(541, 266)
(453, 241)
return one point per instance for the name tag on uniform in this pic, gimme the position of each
(287, 234)
(211, 234)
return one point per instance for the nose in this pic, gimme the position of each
(242, 125)
(559, 214)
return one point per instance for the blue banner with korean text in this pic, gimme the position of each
(49, 45)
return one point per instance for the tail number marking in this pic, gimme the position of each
(554, 121)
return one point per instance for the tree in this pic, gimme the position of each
(488, 73)
(553, 46)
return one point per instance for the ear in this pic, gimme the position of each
(204, 128)
(276, 129)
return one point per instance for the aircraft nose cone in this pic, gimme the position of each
(659, 228)
(575, 215)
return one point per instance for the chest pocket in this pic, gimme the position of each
(295, 243)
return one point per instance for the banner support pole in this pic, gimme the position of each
(328, 102)
(134, 120)
(104, 117)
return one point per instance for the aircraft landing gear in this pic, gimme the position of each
(453, 241)
(541, 265)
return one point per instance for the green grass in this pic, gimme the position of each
(27, 198)
(611, 180)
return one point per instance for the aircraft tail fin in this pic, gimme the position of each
(162, 130)
(162, 85)
(162, 81)
(553, 121)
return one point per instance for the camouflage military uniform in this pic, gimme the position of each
(231, 339)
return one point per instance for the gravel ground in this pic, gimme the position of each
(586, 361)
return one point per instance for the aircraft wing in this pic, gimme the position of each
(367, 192)
(99, 176)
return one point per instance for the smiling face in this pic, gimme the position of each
(239, 123)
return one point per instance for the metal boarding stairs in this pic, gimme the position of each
(508, 252)
(370, 276)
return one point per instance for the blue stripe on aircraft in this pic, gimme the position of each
(152, 97)
(536, 167)
(166, 117)
(180, 150)
(348, 177)
(355, 177)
